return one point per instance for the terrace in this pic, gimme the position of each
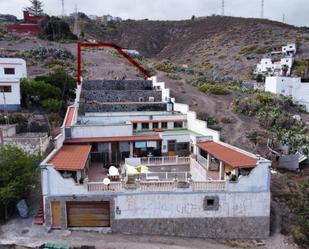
(214, 168)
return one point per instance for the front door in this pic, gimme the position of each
(171, 145)
(56, 213)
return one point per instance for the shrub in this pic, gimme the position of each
(206, 65)
(166, 66)
(213, 89)
(173, 76)
(55, 29)
(51, 104)
(54, 118)
(248, 49)
(227, 120)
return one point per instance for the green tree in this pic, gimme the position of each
(55, 29)
(36, 7)
(17, 175)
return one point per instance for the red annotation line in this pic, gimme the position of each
(112, 45)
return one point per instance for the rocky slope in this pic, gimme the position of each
(226, 45)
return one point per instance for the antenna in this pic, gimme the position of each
(62, 7)
(222, 8)
(76, 29)
(262, 8)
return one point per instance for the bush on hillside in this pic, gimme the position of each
(55, 29)
(213, 89)
(53, 105)
(166, 66)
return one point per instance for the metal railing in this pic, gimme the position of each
(165, 160)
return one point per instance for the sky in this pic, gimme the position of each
(296, 11)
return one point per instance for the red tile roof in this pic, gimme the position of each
(71, 157)
(114, 139)
(69, 118)
(227, 155)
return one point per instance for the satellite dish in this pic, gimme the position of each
(106, 181)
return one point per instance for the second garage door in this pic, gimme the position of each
(88, 214)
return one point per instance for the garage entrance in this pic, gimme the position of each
(88, 214)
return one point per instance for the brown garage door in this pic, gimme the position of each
(88, 214)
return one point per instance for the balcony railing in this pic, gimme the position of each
(165, 160)
(208, 185)
(157, 186)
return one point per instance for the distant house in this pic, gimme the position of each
(30, 25)
(11, 71)
(108, 18)
(289, 86)
(278, 62)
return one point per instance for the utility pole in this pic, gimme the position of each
(76, 29)
(222, 7)
(6, 115)
(62, 7)
(262, 9)
(283, 18)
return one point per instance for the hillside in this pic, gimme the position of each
(229, 46)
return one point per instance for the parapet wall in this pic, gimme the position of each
(121, 95)
(124, 107)
(117, 85)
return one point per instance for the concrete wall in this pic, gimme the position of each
(13, 97)
(8, 130)
(101, 131)
(36, 143)
(18, 64)
(198, 172)
(289, 86)
(124, 107)
(195, 124)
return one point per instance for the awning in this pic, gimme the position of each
(228, 155)
(71, 157)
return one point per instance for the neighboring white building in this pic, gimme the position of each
(289, 86)
(12, 70)
(174, 177)
(289, 49)
(276, 61)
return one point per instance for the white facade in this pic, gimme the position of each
(272, 65)
(12, 70)
(289, 86)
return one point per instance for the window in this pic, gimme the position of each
(183, 146)
(6, 89)
(164, 125)
(134, 126)
(145, 126)
(211, 203)
(178, 124)
(155, 125)
(10, 70)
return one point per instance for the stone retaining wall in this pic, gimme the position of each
(117, 85)
(123, 107)
(121, 96)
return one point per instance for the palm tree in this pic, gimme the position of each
(35, 8)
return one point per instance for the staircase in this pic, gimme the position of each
(39, 218)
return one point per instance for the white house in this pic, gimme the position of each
(12, 70)
(174, 176)
(289, 86)
(289, 49)
(273, 64)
